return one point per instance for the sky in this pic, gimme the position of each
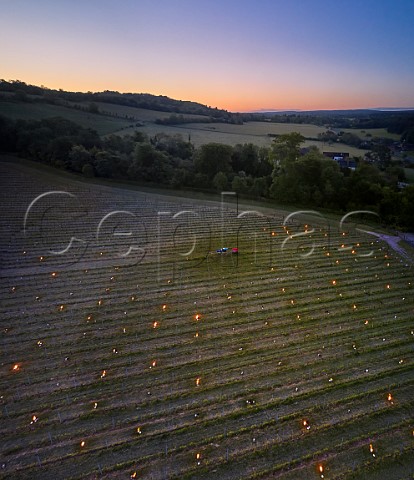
(240, 55)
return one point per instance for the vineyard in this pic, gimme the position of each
(131, 348)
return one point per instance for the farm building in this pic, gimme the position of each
(342, 158)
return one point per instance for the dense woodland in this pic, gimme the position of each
(285, 172)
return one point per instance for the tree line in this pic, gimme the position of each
(283, 172)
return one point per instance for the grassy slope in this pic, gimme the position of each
(274, 330)
(36, 111)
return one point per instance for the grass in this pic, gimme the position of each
(369, 133)
(36, 111)
(280, 338)
(137, 114)
(258, 133)
(409, 175)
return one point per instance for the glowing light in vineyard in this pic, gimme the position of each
(198, 381)
(139, 431)
(34, 419)
(198, 458)
(82, 444)
(103, 374)
(155, 325)
(16, 367)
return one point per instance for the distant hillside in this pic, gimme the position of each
(32, 93)
(395, 121)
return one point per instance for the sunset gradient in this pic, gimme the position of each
(234, 54)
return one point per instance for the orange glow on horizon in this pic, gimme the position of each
(239, 98)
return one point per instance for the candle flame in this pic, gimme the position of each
(198, 380)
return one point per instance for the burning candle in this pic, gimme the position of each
(198, 380)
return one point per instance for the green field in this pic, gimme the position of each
(258, 133)
(37, 111)
(140, 114)
(178, 363)
(369, 133)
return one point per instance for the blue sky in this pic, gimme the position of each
(238, 55)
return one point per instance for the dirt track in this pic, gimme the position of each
(393, 242)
